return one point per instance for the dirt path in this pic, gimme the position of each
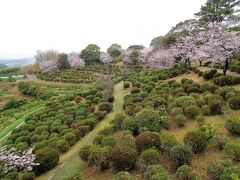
(70, 162)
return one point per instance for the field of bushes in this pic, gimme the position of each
(172, 126)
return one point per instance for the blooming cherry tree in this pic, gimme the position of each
(106, 58)
(48, 66)
(75, 61)
(9, 160)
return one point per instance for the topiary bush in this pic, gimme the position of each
(207, 75)
(233, 150)
(180, 155)
(196, 140)
(131, 124)
(124, 157)
(108, 141)
(233, 125)
(150, 157)
(168, 141)
(148, 120)
(216, 168)
(186, 173)
(180, 119)
(126, 84)
(234, 103)
(156, 172)
(147, 140)
(105, 106)
(47, 158)
(84, 152)
(192, 111)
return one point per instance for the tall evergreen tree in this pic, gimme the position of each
(218, 10)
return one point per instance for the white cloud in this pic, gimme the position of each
(70, 25)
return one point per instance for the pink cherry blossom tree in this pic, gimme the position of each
(9, 159)
(75, 61)
(106, 58)
(48, 66)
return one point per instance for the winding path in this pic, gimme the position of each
(70, 163)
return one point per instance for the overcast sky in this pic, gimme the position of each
(70, 25)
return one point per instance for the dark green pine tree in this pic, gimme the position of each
(218, 10)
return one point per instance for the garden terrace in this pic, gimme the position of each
(69, 76)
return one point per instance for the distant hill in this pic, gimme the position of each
(3, 66)
(17, 62)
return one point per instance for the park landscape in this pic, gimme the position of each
(167, 111)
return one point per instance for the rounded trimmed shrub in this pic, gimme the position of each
(150, 157)
(233, 125)
(180, 155)
(156, 172)
(168, 141)
(62, 146)
(108, 141)
(47, 158)
(105, 106)
(233, 150)
(234, 103)
(216, 168)
(180, 119)
(147, 140)
(196, 140)
(131, 124)
(126, 84)
(186, 173)
(192, 111)
(148, 120)
(124, 157)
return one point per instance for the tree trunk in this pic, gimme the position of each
(200, 62)
(225, 68)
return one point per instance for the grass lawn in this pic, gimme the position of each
(70, 162)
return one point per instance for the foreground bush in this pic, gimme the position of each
(233, 125)
(105, 106)
(196, 140)
(147, 140)
(186, 173)
(150, 157)
(233, 150)
(156, 172)
(148, 120)
(47, 158)
(123, 175)
(168, 141)
(124, 157)
(180, 155)
(216, 168)
(234, 103)
(207, 75)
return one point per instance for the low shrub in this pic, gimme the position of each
(156, 172)
(126, 84)
(123, 175)
(196, 140)
(192, 111)
(135, 90)
(205, 109)
(207, 75)
(180, 155)
(47, 158)
(124, 157)
(150, 157)
(148, 120)
(216, 168)
(147, 140)
(85, 152)
(105, 106)
(131, 124)
(108, 141)
(223, 80)
(234, 103)
(230, 173)
(233, 125)
(168, 141)
(186, 173)
(233, 150)
(180, 119)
